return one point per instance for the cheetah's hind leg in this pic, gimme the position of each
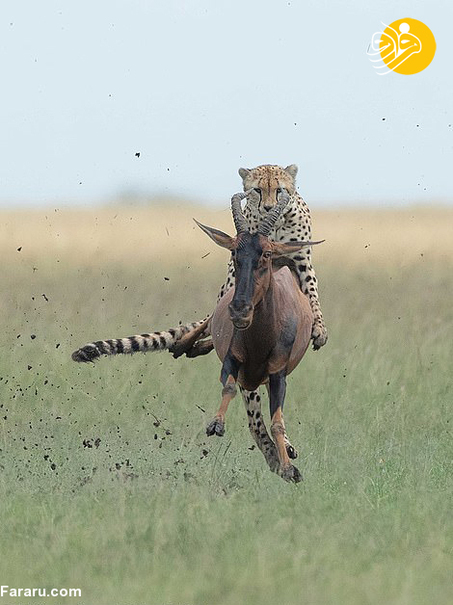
(258, 429)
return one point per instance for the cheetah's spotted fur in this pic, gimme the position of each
(295, 225)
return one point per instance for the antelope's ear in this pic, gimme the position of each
(219, 237)
(243, 172)
(292, 171)
(281, 249)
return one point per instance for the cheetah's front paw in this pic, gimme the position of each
(319, 336)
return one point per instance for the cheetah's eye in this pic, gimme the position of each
(277, 192)
(267, 254)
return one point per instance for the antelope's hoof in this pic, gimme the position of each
(202, 347)
(290, 473)
(177, 349)
(291, 451)
(217, 427)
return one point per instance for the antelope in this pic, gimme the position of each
(260, 329)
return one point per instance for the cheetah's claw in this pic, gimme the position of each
(319, 336)
(290, 473)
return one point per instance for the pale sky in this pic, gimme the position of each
(201, 88)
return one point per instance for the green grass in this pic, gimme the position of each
(158, 513)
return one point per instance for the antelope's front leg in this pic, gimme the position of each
(228, 377)
(292, 452)
(277, 390)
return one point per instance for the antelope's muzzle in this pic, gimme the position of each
(242, 316)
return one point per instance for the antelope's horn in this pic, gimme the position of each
(269, 221)
(240, 222)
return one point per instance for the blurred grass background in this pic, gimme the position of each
(108, 482)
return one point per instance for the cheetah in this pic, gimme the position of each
(264, 184)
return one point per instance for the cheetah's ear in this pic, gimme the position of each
(292, 171)
(243, 173)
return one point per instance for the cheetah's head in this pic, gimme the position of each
(267, 183)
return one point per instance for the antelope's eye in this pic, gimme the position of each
(257, 189)
(277, 192)
(233, 253)
(267, 254)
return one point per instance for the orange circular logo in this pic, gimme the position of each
(406, 46)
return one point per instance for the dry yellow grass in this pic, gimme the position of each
(152, 234)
